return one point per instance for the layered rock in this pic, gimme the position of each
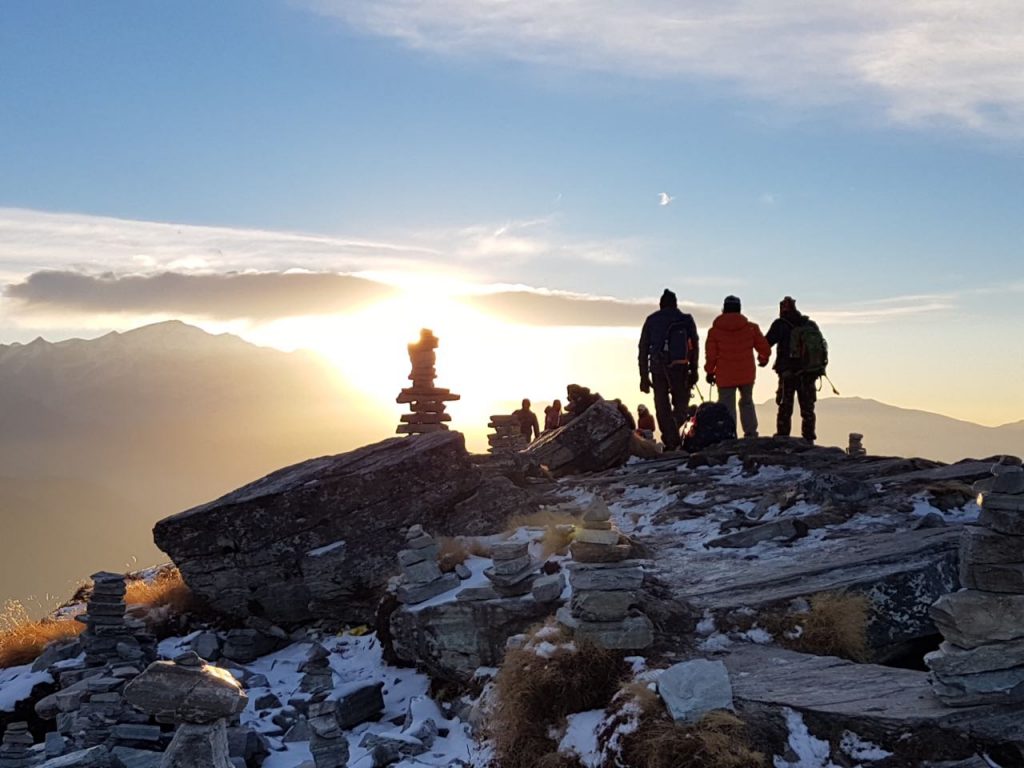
(595, 440)
(426, 401)
(856, 445)
(982, 660)
(508, 437)
(317, 539)
(605, 586)
(421, 575)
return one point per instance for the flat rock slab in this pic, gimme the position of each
(902, 574)
(594, 441)
(321, 538)
(894, 708)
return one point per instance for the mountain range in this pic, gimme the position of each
(99, 439)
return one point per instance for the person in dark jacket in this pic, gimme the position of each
(794, 384)
(553, 416)
(672, 372)
(528, 425)
(729, 361)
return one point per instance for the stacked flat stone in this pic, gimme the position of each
(15, 751)
(327, 742)
(605, 586)
(317, 674)
(426, 401)
(981, 660)
(108, 637)
(856, 446)
(513, 571)
(507, 437)
(421, 575)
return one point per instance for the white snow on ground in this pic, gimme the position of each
(811, 752)
(581, 737)
(966, 514)
(16, 684)
(476, 567)
(858, 749)
(634, 510)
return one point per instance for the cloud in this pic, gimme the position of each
(261, 297)
(886, 310)
(920, 61)
(664, 198)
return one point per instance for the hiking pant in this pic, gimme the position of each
(748, 416)
(803, 389)
(671, 400)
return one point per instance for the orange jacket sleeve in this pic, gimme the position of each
(711, 352)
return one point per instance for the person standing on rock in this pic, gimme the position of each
(801, 356)
(529, 427)
(729, 362)
(553, 416)
(669, 354)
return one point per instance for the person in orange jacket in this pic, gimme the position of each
(729, 361)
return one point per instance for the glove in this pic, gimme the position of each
(710, 378)
(762, 363)
(645, 383)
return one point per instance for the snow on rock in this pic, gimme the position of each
(810, 751)
(16, 684)
(854, 746)
(580, 737)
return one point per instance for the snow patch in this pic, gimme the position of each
(16, 684)
(811, 752)
(858, 749)
(581, 737)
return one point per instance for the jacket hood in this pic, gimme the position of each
(731, 321)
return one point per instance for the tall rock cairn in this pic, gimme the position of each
(605, 586)
(107, 637)
(507, 437)
(426, 401)
(981, 660)
(856, 446)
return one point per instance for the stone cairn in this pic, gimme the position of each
(422, 578)
(108, 637)
(514, 571)
(856, 446)
(15, 752)
(507, 437)
(426, 401)
(327, 742)
(199, 699)
(981, 660)
(605, 586)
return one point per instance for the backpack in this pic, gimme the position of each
(676, 343)
(710, 424)
(807, 345)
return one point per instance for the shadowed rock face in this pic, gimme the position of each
(596, 440)
(320, 538)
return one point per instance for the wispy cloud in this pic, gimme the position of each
(951, 61)
(887, 309)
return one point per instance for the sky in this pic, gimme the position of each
(527, 177)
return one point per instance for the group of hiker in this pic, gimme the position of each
(669, 359)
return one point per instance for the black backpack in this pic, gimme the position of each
(675, 345)
(710, 424)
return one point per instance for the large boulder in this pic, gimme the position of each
(320, 539)
(186, 691)
(598, 439)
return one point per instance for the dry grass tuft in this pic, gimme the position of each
(836, 625)
(452, 551)
(718, 740)
(532, 694)
(558, 760)
(22, 638)
(167, 590)
(558, 528)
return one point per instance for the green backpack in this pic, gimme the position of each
(808, 346)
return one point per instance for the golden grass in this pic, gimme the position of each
(452, 551)
(22, 638)
(533, 694)
(718, 740)
(558, 528)
(168, 590)
(836, 625)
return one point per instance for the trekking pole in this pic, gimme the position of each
(699, 393)
(834, 390)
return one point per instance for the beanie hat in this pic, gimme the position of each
(788, 304)
(668, 300)
(731, 304)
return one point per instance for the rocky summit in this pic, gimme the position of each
(410, 604)
(321, 537)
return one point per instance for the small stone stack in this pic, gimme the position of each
(421, 575)
(327, 741)
(426, 401)
(513, 571)
(981, 660)
(856, 446)
(107, 637)
(317, 674)
(507, 437)
(605, 586)
(15, 749)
